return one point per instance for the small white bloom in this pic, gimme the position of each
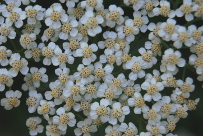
(38, 75)
(33, 124)
(46, 108)
(11, 100)
(6, 31)
(35, 52)
(33, 101)
(86, 51)
(4, 54)
(152, 89)
(170, 59)
(63, 119)
(85, 127)
(118, 112)
(127, 31)
(18, 65)
(114, 16)
(54, 15)
(100, 110)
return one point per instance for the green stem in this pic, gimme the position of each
(13, 44)
(191, 22)
(191, 68)
(184, 71)
(165, 44)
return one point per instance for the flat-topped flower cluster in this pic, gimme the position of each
(106, 65)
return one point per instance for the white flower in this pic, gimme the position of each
(27, 2)
(18, 65)
(51, 127)
(152, 89)
(130, 89)
(181, 37)
(168, 80)
(90, 4)
(84, 74)
(35, 52)
(84, 106)
(164, 10)
(118, 112)
(4, 54)
(185, 8)
(196, 60)
(62, 58)
(74, 90)
(34, 13)
(115, 16)
(128, 130)
(167, 29)
(170, 124)
(92, 21)
(63, 119)
(50, 53)
(38, 75)
(28, 85)
(140, 21)
(187, 86)
(33, 101)
(10, 4)
(155, 128)
(156, 75)
(154, 47)
(110, 58)
(91, 91)
(56, 93)
(166, 107)
(85, 127)
(46, 108)
(181, 111)
(32, 28)
(137, 4)
(127, 31)
(116, 84)
(148, 7)
(69, 4)
(27, 40)
(138, 102)
(178, 97)
(76, 12)
(68, 28)
(147, 57)
(109, 42)
(50, 34)
(136, 64)
(11, 100)
(6, 31)
(113, 131)
(54, 15)
(170, 59)
(63, 76)
(71, 103)
(153, 35)
(86, 51)
(107, 93)
(195, 33)
(33, 124)
(100, 72)
(5, 79)
(100, 110)
(16, 16)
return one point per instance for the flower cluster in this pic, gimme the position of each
(86, 64)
